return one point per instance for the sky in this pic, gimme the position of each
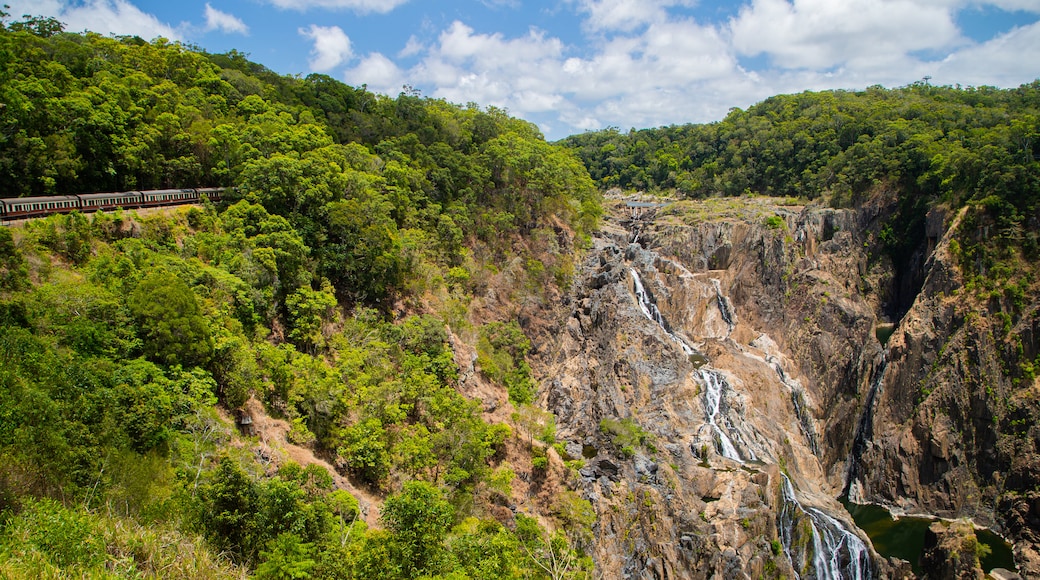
(577, 65)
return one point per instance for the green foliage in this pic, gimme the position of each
(84, 317)
(119, 332)
(576, 514)
(64, 537)
(308, 311)
(551, 553)
(13, 271)
(46, 540)
(364, 450)
(418, 519)
(501, 354)
(171, 325)
(627, 434)
(287, 558)
(925, 144)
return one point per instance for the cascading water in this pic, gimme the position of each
(715, 384)
(864, 433)
(725, 309)
(649, 308)
(801, 408)
(837, 553)
(646, 303)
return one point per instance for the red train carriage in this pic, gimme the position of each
(27, 207)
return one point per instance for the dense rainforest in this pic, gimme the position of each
(921, 145)
(366, 288)
(324, 297)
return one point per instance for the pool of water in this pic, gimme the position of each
(904, 538)
(883, 331)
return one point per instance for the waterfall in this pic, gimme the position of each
(715, 383)
(714, 387)
(837, 553)
(646, 303)
(649, 308)
(725, 309)
(801, 407)
(864, 432)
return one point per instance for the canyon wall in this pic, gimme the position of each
(717, 371)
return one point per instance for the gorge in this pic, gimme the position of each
(748, 353)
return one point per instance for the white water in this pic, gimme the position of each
(864, 433)
(651, 312)
(714, 386)
(837, 553)
(724, 306)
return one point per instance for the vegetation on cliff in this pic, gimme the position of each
(361, 230)
(918, 148)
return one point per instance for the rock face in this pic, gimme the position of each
(728, 375)
(950, 552)
(721, 374)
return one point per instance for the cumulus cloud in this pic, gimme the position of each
(379, 73)
(331, 47)
(217, 20)
(412, 48)
(101, 16)
(520, 73)
(820, 34)
(359, 6)
(626, 15)
(997, 62)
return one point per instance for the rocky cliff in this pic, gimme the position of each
(718, 370)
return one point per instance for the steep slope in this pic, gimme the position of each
(710, 405)
(719, 369)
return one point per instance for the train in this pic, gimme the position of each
(16, 208)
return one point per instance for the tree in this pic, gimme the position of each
(418, 519)
(169, 321)
(13, 272)
(287, 558)
(363, 254)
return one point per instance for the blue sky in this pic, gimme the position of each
(576, 65)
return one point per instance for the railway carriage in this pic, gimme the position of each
(158, 197)
(27, 207)
(15, 208)
(106, 201)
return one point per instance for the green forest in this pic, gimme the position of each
(356, 248)
(915, 148)
(329, 285)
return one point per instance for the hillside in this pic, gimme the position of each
(417, 340)
(286, 384)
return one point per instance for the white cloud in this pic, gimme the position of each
(360, 6)
(379, 73)
(217, 20)
(331, 47)
(101, 16)
(519, 73)
(412, 48)
(626, 15)
(1010, 59)
(820, 34)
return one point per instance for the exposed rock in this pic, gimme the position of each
(738, 348)
(950, 552)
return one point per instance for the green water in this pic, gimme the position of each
(904, 538)
(883, 331)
